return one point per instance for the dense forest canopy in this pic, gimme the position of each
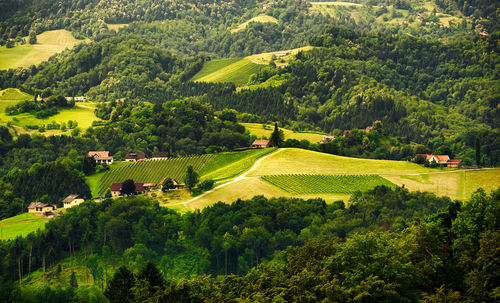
(385, 244)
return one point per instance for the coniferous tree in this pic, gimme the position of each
(191, 178)
(151, 274)
(72, 280)
(120, 287)
(128, 187)
(277, 137)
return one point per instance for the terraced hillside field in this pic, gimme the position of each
(153, 171)
(326, 184)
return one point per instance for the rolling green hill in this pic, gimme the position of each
(82, 113)
(48, 44)
(234, 70)
(20, 225)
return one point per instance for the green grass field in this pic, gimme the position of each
(48, 44)
(325, 184)
(20, 225)
(260, 19)
(228, 165)
(234, 70)
(154, 171)
(258, 130)
(83, 113)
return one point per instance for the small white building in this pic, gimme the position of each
(80, 99)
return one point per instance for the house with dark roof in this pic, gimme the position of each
(135, 157)
(160, 156)
(42, 209)
(101, 157)
(72, 200)
(261, 144)
(140, 188)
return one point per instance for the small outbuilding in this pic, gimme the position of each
(160, 156)
(140, 188)
(261, 144)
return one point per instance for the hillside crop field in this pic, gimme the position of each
(326, 184)
(265, 58)
(234, 70)
(48, 44)
(20, 225)
(151, 171)
(258, 130)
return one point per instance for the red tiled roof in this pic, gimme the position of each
(260, 142)
(455, 161)
(139, 187)
(99, 154)
(116, 187)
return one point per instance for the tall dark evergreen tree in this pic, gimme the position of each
(120, 287)
(128, 187)
(191, 178)
(151, 274)
(277, 137)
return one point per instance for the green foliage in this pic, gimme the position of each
(120, 287)
(191, 178)
(128, 187)
(321, 184)
(277, 136)
(167, 184)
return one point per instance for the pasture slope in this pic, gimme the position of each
(48, 44)
(260, 19)
(265, 131)
(306, 174)
(83, 113)
(20, 225)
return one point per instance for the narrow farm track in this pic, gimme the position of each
(243, 176)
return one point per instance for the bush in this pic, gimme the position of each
(206, 185)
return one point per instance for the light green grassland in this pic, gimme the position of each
(265, 58)
(48, 44)
(260, 18)
(229, 70)
(20, 225)
(83, 113)
(258, 130)
(228, 165)
(116, 27)
(299, 161)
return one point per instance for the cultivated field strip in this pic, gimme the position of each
(305, 184)
(152, 171)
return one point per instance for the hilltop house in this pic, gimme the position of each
(42, 209)
(326, 139)
(440, 160)
(101, 157)
(365, 130)
(135, 157)
(72, 200)
(140, 188)
(80, 99)
(261, 144)
(160, 156)
(267, 5)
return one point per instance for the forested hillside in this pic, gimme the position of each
(388, 244)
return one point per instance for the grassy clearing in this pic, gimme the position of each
(48, 44)
(260, 19)
(228, 165)
(325, 184)
(116, 27)
(154, 171)
(258, 130)
(83, 113)
(233, 71)
(11, 96)
(265, 58)
(455, 184)
(20, 225)
(299, 161)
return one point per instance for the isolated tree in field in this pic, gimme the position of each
(167, 184)
(120, 287)
(191, 178)
(128, 187)
(277, 137)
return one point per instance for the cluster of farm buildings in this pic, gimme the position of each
(103, 157)
(49, 210)
(443, 160)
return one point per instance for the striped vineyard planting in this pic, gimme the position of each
(325, 184)
(151, 171)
